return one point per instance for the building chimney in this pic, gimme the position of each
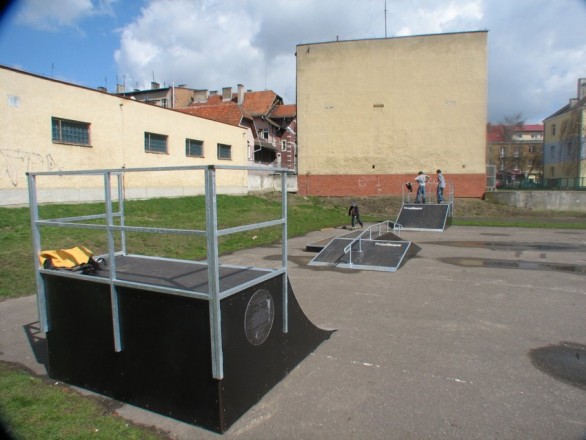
(200, 95)
(226, 93)
(581, 88)
(155, 85)
(240, 94)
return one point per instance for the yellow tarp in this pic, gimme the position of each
(66, 258)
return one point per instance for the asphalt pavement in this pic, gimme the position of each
(481, 335)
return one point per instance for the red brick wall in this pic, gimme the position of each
(465, 185)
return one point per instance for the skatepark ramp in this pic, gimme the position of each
(425, 216)
(376, 248)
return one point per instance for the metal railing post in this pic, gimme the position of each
(213, 273)
(284, 251)
(121, 211)
(112, 262)
(41, 296)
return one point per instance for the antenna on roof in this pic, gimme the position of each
(385, 18)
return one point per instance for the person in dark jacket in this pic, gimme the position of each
(355, 213)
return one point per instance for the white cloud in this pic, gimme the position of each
(55, 14)
(537, 53)
(536, 48)
(201, 44)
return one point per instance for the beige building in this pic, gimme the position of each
(49, 125)
(372, 113)
(564, 146)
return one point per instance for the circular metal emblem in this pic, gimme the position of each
(259, 316)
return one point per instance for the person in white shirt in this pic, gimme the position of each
(421, 180)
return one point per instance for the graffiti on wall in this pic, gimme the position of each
(14, 164)
(370, 181)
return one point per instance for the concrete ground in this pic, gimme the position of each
(481, 335)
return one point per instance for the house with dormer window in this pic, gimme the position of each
(272, 139)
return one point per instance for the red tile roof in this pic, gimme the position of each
(533, 127)
(228, 112)
(284, 111)
(263, 103)
(496, 133)
(260, 103)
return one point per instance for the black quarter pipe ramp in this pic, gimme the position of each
(425, 216)
(165, 363)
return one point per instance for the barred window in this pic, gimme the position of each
(155, 143)
(70, 132)
(224, 151)
(193, 148)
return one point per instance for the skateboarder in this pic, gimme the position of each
(355, 213)
(421, 180)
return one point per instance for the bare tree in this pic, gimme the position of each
(570, 143)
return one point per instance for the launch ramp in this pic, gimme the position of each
(425, 216)
(376, 248)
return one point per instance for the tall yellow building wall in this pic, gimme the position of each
(372, 113)
(117, 129)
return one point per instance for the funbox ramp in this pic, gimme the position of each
(425, 216)
(386, 252)
(165, 364)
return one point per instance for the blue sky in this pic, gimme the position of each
(537, 48)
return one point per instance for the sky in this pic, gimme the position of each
(536, 48)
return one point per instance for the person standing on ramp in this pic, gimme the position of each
(441, 184)
(421, 180)
(355, 213)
